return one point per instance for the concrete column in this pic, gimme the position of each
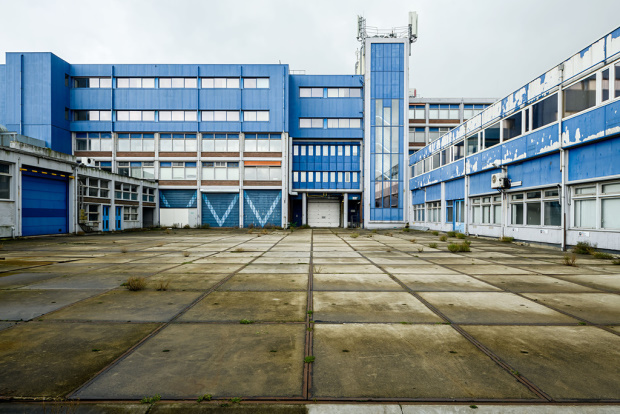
(345, 221)
(304, 208)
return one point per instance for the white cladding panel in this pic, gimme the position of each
(324, 213)
(179, 216)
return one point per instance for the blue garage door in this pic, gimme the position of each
(220, 210)
(262, 208)
(45, 207)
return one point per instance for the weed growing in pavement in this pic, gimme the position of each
(451, 233)
(238, 250)
(310, 312)
(506, 239)
(420, 249)
(443, 238)
(186, 254)
(583, 248)
(460, 236)
(473, 406)
(245, 321)
(570, 259)
(412, 240)
(616, 261)
(459, 247)
(432, 245)
(406, 230)
(151, 400)
(235, 400)
(304, 226)
(309, 359)
(435, 233)
(135, 283)
(355, 235)
(162, 285)
(388, 234)
(601, 255)
(206, 397)
(124, 250)
(206, 226)
(168, 231)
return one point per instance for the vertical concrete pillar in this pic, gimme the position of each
(304, 208)
(345, 221)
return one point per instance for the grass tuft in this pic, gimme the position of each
(451, 233)
(355, 235)
(206, 397)
(162, 285)
(460, 236)
(186, 254)
(435, 233)
(124, 250)
(601, 255)
(443, 238)
(309, 359)
(151, 400)
(135, 284)
(506, 239)
(583, 248)
(432, 245)
(245, 321)
(570, 259)
(238, 250)
(459, 247)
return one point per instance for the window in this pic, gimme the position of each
(94, 187)
(92, 82)
(148, 194)
(135, 82)
(258, 116)
(487, 210)
(178, 142)
(220, 83)
(263, 173)
(418, 212)
(93, 141)
(552, 208)
(536, 208)
(222, 116)
(417, 135)
(167, 116)
(177, 170)
(92, 115)
(130, 213)
(491, 136)
(417, 112)
(580, 96)
(355, 149)
(586, 200)
(217, 170)
(178, 82)
(220, 142)
(135, 115)
(123, 191)
(472, 144)
(436, 133)
(255, 83)
(616, 86)
(310, 92)
(605, 85)
(104, 165)
(90, 213)
(136, 142)
(434, 211)
(458, 150)
(443, 112)
(512, 126)
(344, 92)
(296, 176)
(264, 143)
(545, 112)
(310, 122)
(469, 111)
(136, 169)
(5, 181)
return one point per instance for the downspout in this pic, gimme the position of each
(563, 156)
(21, 94)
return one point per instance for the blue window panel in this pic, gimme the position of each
(177, 199)
(44, 205)
(262, 208)
(220, 209)
(455, 189)
(598, 159)
(418, 197)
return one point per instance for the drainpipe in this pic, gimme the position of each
(563, 159)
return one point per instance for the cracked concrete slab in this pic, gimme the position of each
(266, 282)
(18, 305)
(437, 283)
(354, 282)
(533, 283)
(603, 308)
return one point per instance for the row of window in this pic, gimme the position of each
(330, 92)
(179, 83)
(145, 142)
(330, 123)
(577, 97)
(167, 116)
(211, 170)
(594, 206)
(92, 213)
(325, 177)
(326, 150)
(445, 112)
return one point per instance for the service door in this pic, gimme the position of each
(45, 207)
(324, 213)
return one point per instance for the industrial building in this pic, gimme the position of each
(539, 165)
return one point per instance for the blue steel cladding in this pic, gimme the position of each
(599, 159)
(45, 207)
(262, 208)
(386, 131)
(177, 199)
(220, 209)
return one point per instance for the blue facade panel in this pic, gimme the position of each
(220, 209)
(262, 208)
(177, 199)
(418, 197)
(599, 159)
(45, 207)
(433, 192)
(481, 183)
(455, 189)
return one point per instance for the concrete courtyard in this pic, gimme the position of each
(386, 317)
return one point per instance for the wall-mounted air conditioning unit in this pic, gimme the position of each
(499, 180)
(87, 161)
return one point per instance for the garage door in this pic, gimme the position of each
(220, 209)
(44, 204)
(324, 213)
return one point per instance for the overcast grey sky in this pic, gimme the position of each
(466, 48)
